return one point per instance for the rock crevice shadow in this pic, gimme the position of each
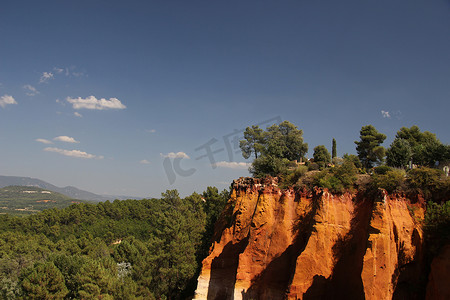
(224, 271)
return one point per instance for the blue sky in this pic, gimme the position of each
(115, 97)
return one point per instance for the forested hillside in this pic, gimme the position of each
(25, 200)
(132, 249)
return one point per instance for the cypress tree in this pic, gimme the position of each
(333, 149)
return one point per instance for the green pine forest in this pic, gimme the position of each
(130, 249)
(153, 248)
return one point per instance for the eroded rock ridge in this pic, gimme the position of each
(273, 243)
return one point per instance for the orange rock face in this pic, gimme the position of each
(284, 244)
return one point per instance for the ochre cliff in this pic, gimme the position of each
(284, 244)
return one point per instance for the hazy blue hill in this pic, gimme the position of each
(24, 200)
(69, 191)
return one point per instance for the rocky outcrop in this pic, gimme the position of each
(273, 243)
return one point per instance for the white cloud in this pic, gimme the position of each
(144, 162)
(62, 103)
(77, 114)
(72, 153)
(69, 72)
(175, 155)
(7, 99)
(232, 165)
(44, 141)
(46, 76)
(30, 90)
(58, 70)
(151, 130)
(385, 114)
(93, 103)
(66, 139)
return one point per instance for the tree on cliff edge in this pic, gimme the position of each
(285, 141)
(253, 143)
(321, 156)
(426, 149)
(399, 154)
(369, 147)
(273, 148)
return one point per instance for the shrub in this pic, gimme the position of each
(391, 181)
(337, 161)
(307, 181)
(321, 165)
(346, 173)
(437, 226)
(337, 179)
(293, 176)
(269, 165)
(299, 172)
(313, 167)
(382, 170)
(431, 182)
(353, 158)
(424, 177)
(327, 180)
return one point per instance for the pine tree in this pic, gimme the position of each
(369, 147)
(43, 281)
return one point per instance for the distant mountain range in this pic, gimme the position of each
(69, 191)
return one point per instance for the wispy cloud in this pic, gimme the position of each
(77, 114)
(73, 153)
(46, 76)
(78, 74)
(144, 162)
(385, 114)
(58, 70)
(44, 141)
(66, 139)
(68, 71)
(7, 99)
(175, 155)
(232, 165)
(30, 90)
(93, 103)
(151, 130)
